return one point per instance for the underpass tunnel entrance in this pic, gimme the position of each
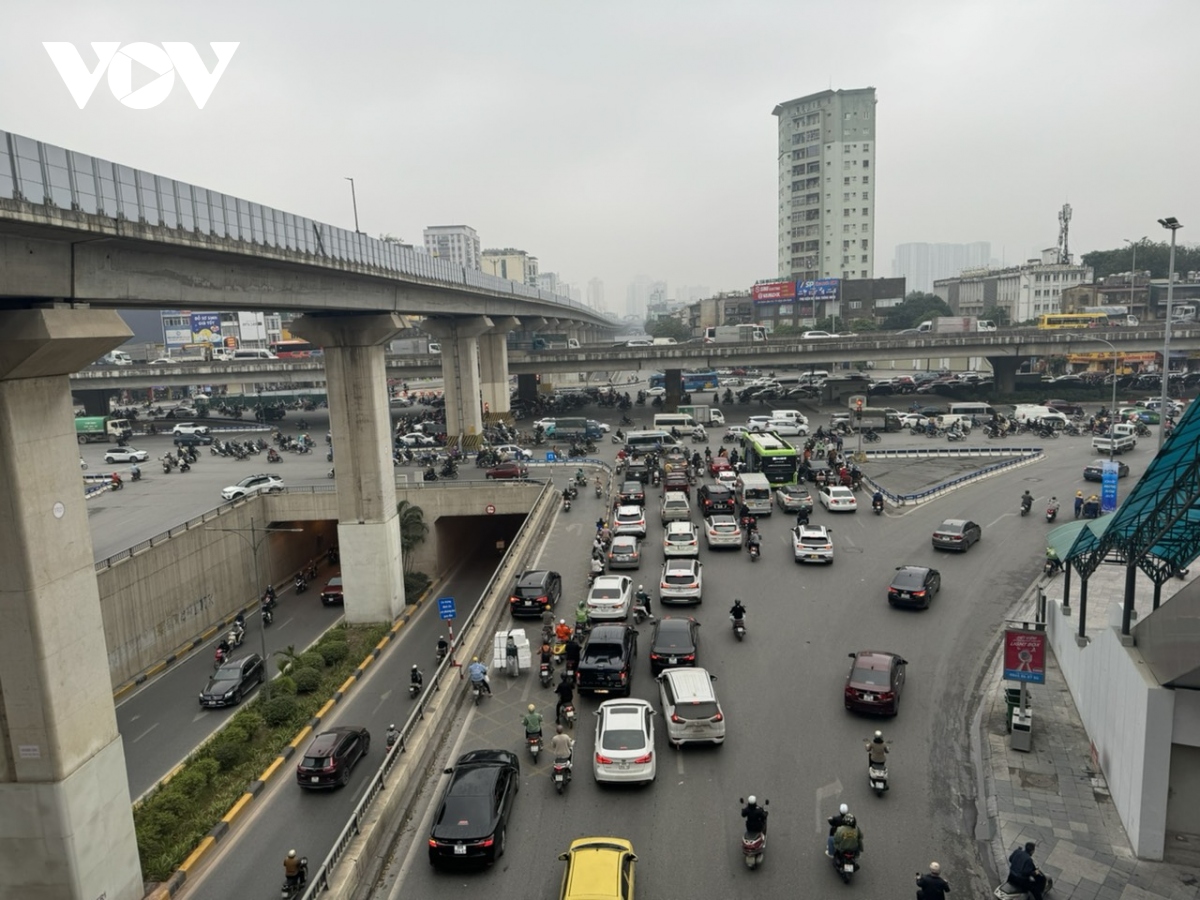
(479, 537)
(289, 552)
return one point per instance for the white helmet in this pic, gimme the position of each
(751, 799)
(843, 809)
(392, 727)
(291, 854)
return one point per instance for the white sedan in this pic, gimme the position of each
(610, 597)
(513, 451)
(817, 335)
(624, 747)
(836, 498)
(189, 428)
(656, 392)
(125, 454)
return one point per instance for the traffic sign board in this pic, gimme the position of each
(490, 509)
(446, 607)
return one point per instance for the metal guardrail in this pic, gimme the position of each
(1019, 456)
(38, 173)
(524, 542)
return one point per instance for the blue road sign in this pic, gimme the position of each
(1108, 486)
(551, 456)
(446, 607)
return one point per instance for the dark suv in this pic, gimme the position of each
(331, 755)
(606, 662)
(535, 591)
(192, 440)
(714, 498)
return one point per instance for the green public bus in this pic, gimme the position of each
(773, 457)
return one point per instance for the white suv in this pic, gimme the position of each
(254, 484)
(189, 428)
(812, 543)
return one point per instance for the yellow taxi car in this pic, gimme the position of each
(598, 868)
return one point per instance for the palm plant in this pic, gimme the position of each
(413, 529)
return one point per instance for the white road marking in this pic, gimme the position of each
(829, 790)
(679, 760)
(146, 732)
(383, 698)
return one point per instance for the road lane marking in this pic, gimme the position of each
(830, 790)
(146, 732)
(383, 698)
(679, 760)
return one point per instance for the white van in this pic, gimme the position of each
(816, 376)
(644, 441)
(667, 421)
(794, 414)
(980, 411)
(690, 708)
(754, 491)
(116, 358)
(1030, 412)
(664, 342)
(250, 354)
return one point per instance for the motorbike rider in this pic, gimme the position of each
(1052, 507)
(755, 816)
(561, 745)
(135, 472)
(642, 599)
(116, 480)
(294, 870)
(597, 566)
(1026, 500)
(546, 654)
(415, 677)
(1023, 871)
(932, 886)
(753, 543)
(563, 631)
(239, 626)
(392, 735)
(737, 612)
(802, 518)
(223, 648)
(877, 750)
(835, 822)
(877, 499)
(566, 696)
(443, 646)
(1052, 561)
(532, 720)
(848, 838)
(269, 594)
(581, 615)
(478, 673)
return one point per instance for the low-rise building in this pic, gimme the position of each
(1024, 292)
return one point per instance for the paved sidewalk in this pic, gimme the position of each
(1056, 796)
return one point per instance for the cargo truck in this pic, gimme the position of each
(554, 342)
(704, 415)
(950, 325)
(96, 429)
(1119, 439)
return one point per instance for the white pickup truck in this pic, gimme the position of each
(1119, 439)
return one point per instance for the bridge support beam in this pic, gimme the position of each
(674, 385)
(66, 826)
(368, 526)
(460, 376)
(527, 387)
(95, 402)
(493, 371)
(1004, 373)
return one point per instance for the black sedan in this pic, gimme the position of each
(675, 642)
(632, 493)
(1094, 471)
(914, 586)
(233, 680)
(874, 682)
(472, 819)
(331, 755)
(957, 534)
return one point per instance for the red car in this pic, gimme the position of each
(511, 469)
(716, 464)
(874, 682)
(332, 592)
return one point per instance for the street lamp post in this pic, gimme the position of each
(354, 200)
(1112, 415)
(1173, 225)
(255, 542)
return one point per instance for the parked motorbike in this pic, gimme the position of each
(1009, 891)
(739, 627)
(561, 773)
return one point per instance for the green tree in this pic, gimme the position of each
(413, 529)
(1152, 256)
(668, 327)
(915, 309)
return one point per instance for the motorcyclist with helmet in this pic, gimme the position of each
(532, 720)
(642, 599)
(563, 631)
(737, 612)
(294, 870)
(565, 691)
(932, 886)
(755, 816)
(1026, 501)
(848, 838)
(415, 676)
(877, 500)
(836, 822)
(478, 674)
(877, 750)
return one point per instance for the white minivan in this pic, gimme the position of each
(667, 421)
(250, 354)
(690, 708)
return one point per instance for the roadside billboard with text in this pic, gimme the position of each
(771, 291)
(823, 289)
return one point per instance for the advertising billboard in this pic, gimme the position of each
(822, 289)
(1025, 656)
(206, 328)
(1108, 485)
(773, 291)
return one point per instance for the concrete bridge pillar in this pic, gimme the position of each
(368, 527)
(1004, 373)
(460, 376)
(527, 387)
(493, 370)
(95, 401)
(66, 825)
(674, 385)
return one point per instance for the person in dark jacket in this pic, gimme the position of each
(835, 822)
(1024, 873)
(932, 886)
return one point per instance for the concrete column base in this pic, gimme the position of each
(71, 839)
(371, 551)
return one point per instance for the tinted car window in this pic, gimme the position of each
(870, 676)
(699, 710)
(623, 739)
(909, 579)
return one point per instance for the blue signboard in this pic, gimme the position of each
(551, 456)
(446, 607)
(1108, 486)
(822, 289)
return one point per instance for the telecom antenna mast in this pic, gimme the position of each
(1064, 227)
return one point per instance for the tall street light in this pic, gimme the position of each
(257, 536)
(1173, 224)
(354, 200)
(1112, 415)
(1133, 245)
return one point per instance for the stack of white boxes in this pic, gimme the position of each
(500, 642)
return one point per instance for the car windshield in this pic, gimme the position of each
(623, 739)
(697, 710)
(623, 547)
(874, 677)
(724, 527)
(628, 517)
(604, 651)
(680, 537)
(909, 579)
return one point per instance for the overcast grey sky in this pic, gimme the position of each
(620, 138)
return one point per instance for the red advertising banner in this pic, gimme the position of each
(774, 290)
(1024, 656)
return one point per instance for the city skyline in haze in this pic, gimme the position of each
(616, 143)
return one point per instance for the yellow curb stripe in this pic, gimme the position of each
(387, 639)
(304, 733)
(365, 663)
(124, 689)
(271, 769)
(324, 710)
(155, 669)
(347, 684)
(236, 809)
(203, 847)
